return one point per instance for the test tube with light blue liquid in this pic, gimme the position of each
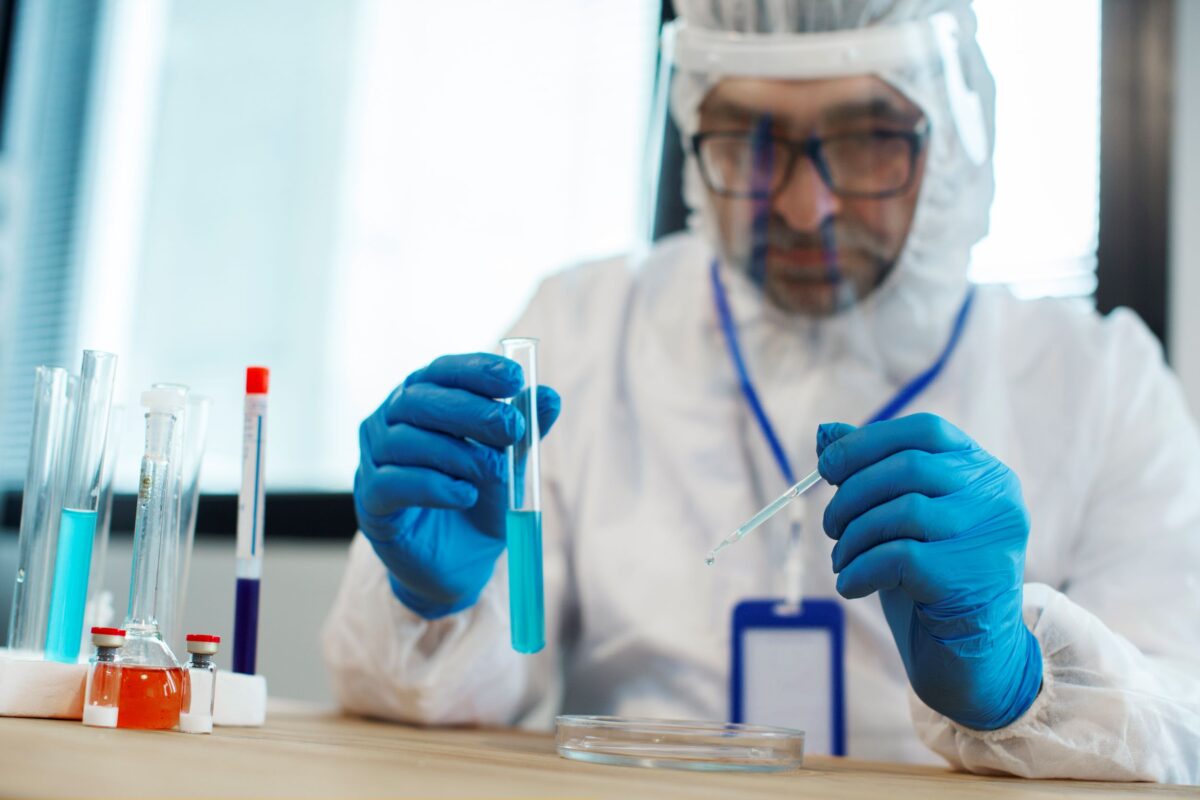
(81, 495)
(40, 512)
(524, 524)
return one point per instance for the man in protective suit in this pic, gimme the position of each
(1017, 482)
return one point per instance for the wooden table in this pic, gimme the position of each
(309, 753)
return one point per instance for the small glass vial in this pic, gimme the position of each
(103, 679)
(199, 684)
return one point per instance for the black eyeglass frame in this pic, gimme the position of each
(812, 148)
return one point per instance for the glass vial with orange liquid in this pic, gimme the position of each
(103, 687)
(199, 684)
(152, 681)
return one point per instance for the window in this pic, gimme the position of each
(341, 192)
(342, 189)
(1045, 219)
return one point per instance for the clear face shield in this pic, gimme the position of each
(805, 154)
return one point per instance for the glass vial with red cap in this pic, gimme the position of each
(199, 684)
(103, 689)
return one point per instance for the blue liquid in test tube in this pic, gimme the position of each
(526, 603)
(81, 491)
(74, 560)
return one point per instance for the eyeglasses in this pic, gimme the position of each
(871, 164)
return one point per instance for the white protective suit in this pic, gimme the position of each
(656, 457)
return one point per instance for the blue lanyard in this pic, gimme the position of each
(906, 395)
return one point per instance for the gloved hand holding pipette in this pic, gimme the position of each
(937, 526)
(429, 491)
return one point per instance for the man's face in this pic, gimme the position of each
(815, 249)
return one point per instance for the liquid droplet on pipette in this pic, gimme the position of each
(710, 558)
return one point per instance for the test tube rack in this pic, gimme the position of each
(50, 690)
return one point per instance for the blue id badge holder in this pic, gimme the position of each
(788, 670)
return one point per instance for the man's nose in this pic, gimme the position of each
(805, 201)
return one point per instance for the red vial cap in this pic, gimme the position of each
(108, 631)
(108, 637)
(203, 637)
(257, 379)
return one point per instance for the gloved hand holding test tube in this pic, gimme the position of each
(432, 492)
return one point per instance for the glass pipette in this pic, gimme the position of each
(773, 508)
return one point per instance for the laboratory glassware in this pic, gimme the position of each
(101, 696)
(199, 684)
(678, 744)
(151, 678)
(41, 508)
(195, 434)
(524, 519)
(165, 599)
(187, 454)
(81, 494)
(770, 510)
(98, 609)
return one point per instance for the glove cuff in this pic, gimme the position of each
(423, 608)
(1023, 691)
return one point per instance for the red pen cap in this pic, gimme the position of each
(257, 379)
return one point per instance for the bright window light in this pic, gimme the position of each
(346, 190)
(1045, 219)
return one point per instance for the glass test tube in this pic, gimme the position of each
(41, 508)
(524, 522)
(81, 494)
(102, 693)
(199, 684)
(98, 611)
(195, 432)
(165, 599)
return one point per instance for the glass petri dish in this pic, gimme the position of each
(678, 744)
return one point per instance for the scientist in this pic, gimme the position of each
(838, 172)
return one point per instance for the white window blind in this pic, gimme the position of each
(46, 108)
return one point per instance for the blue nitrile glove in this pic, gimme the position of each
(430, 490)
(937, 526)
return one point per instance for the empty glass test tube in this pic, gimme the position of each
(81, 494)
(524, 522)
(195, 433)
(165, 599)
(98, 610)
(41, 507)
